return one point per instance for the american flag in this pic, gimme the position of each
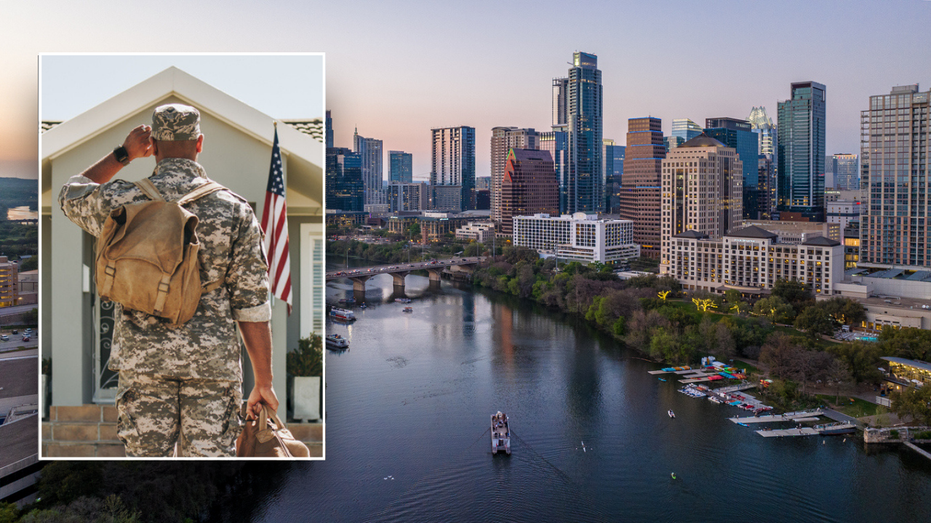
(275, 226)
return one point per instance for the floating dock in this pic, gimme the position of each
(796, 417)
(818, 430)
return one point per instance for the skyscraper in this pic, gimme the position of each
(400, 167)
(763, 125)
(614, 169)
(370, 150)
(328, 133)
(585, 189)
(685, 128)
(894, 172)
(800, 156)
(560, 90)
(640, 197)
(739, 135)
(701, 182)
(846, 172)
(528, 187)
(503, 139)
(768, 142)
(453, 162)
(345, 190)
(557, 144)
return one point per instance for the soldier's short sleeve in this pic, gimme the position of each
(81, 201)
(247, 278)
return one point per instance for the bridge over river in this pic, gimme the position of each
(399, 271)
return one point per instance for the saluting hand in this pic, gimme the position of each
(139, 142)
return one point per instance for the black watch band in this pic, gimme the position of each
(121, 155)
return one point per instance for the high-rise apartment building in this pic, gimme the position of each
(528, 186)
(503, 139)
(345, 190)
(738, 134)
(408, 197)
(846, 172)
(453, 163)
(640, 197)
(895, 164)
(400, 167)
(800, 155)
(614, 171)
(560, 92)
(370, 149)
(702, 183)
(557, 144)
(585, 190)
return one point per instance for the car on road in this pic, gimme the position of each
(4, 337)
(15, 331)
(25, 337)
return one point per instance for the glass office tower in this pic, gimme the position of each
(586, 181)
(738, 134)
(800, 153)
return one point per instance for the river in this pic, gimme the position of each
(21, 213)
(408, 410)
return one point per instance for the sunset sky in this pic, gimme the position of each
(396, 69)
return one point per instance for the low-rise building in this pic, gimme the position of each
(751, 259)
(9, 283)
(479, 232)
(579, 237)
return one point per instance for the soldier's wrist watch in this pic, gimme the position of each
(121, 155)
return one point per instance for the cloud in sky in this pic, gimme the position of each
(394, 70)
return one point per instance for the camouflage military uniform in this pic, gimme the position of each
(156, 361)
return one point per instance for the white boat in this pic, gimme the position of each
(671, 413)
(500, 433)
(335, 341)
(342, 314)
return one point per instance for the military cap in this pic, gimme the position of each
(175, 122)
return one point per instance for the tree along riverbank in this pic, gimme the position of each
(652, 315)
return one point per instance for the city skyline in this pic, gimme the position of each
(400, 105)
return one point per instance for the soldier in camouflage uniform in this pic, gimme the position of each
(183, 384)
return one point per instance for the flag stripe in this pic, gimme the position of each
(275, 226)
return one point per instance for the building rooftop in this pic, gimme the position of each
(911, 363)
(751, 232)
(821, 241)
(692, 234)
(702, 140)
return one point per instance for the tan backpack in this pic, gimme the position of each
(147, 255)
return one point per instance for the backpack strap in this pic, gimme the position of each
(162, 294)
(149, 189)
(200, 192)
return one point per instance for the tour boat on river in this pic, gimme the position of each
(342, 314)
(336, 342)
(500, 433)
